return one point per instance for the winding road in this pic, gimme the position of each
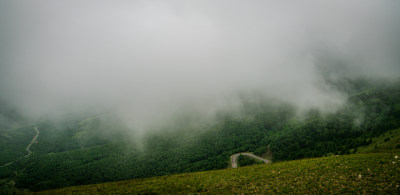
(27, 147)
(32, 142)
(234, 158)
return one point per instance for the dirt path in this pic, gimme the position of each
(32, 142)
(27, 147)
(234, 158)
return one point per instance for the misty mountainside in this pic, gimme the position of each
(9, 117)
(79, 150)
(102, 91)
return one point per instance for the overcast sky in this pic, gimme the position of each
(149, 60)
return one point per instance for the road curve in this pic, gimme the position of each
(234, 158)
(32, 142)
(27, 147)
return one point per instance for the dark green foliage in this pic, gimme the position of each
(260, 150)
(79, 152)
(246, 160)
(368, 113)
(13, 143)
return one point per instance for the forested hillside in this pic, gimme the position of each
(99, 148)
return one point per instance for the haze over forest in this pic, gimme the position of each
(100, 91)
(149, 61)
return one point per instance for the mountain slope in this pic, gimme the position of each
(357, 173)
(79, 149)
(387, 141)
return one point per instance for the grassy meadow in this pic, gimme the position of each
(356, 173)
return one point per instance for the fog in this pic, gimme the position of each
(148, 61)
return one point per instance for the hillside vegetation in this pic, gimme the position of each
(356, 173)
(89, 149)
(387, 141)
(13, 143)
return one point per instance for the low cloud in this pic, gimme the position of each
(150, 60)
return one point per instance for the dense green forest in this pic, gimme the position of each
(246, 160)
(13, 143)
(98, 148)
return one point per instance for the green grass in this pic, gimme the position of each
(387, 141)
(357, 173)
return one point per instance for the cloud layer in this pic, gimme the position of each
(149, 60)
